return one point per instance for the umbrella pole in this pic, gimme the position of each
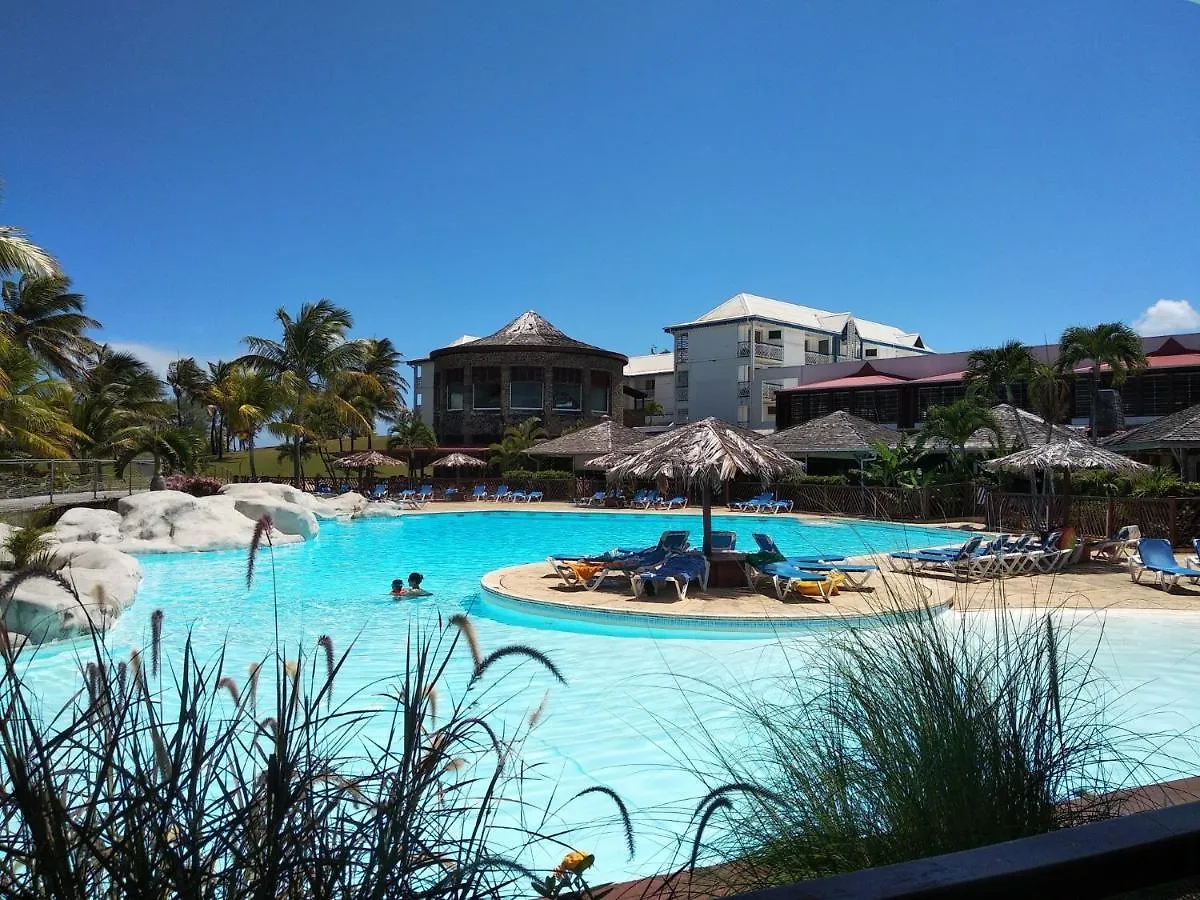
(706, 509)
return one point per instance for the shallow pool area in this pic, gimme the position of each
(638, 707)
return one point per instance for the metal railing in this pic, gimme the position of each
(55, 478)
(817, 359)
(762, 350)
(768, 390)
(744, 390)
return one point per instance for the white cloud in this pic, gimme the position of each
(158, 358)
(1168, 317)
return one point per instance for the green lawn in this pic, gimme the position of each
(266, 460)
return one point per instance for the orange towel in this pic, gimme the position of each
(584, 571)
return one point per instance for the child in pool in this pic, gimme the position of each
(414, 586)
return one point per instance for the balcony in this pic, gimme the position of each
(768, 390)
(681, 394)
(681, 355)
(744, 390)
(817, 359)
(762, 350)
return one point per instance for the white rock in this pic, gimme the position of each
(382, 509)
(345, 506)
(84, 524)
(287, 518)
(99, 571)
(172, 520)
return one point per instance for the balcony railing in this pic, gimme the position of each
(817, 359)
(744, 390)
(762, 350)
(681, 395)
(681, 355)
(768, 390)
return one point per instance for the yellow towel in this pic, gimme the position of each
(584, 571)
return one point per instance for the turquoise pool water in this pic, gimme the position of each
(628, 717)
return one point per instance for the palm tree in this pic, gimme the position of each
(20, 256)
(40, 314)
(898, 466)
(408, 434)
(312, 359)
(381, 363)
(114, 392)
(955, 422)
(1112, 344)
(217, 372)
(517, 439)
(187, 382)
(247, 399)
(34, 416)
(992, 373)
(178, 447)
(1050, 393)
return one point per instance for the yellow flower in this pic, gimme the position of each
(575, 862)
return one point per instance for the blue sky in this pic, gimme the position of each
(972, 170)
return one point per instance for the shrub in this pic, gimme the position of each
(920, 737)
(799, 478)
(29, 547)
(525, 475)
(196, 485)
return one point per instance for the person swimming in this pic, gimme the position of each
(413, 589)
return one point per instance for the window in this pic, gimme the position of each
(681, 347)
(681, 386)
(681, 415)
(743, 373)
(568, 390)
(823, 346)
(743, 415)
(649, 388)
(600, 389)
(418, 400)
(486, 387)
(871, 351)
(757, 335)
(455, 392)
(775, 334)
(887, 406)
(525, 388)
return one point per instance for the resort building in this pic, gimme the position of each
(730, 362)
(898, 392)
(472, 390)
(650, 391)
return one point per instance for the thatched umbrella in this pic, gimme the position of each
(457, 461)
(1066, 457)
(367, 459)
(709, 451)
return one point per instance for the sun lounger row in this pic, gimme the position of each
(1155, 555)
(819, 575)
(763, 503)
(640, 500)
(1002, 556)
(667, 562)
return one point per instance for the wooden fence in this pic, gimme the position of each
(1175, 518)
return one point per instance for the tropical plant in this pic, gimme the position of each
(654, 408)
(1156, 482)
(20, 256)
(188, 382)
(246, 400)
(217, 440)
(954, 423)
(381, 395)
(407, 436)
(1112, 344)
(180, 448)
(29, 547)
(915, 738)
(1050, 393)
(34, 409)
(509, 451)
(115, 391)
(312, 359)
(898, 466)
(993, 373)
(41, 315)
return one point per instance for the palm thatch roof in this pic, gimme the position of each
(1019, 429)
(530, 330)
(603, 438)
(837, 434)
(1178, 431)
(457, 461)
(367, 459)
(1070, 455)
(709, 451)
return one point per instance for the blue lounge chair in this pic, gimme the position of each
(480, 493)
(596, 498)
(778, 506)
(857, 574)
(766, 544)
(534, 495)
(617, 565)
(637, 498)
(679, 570)
(964, 560)
(406, 494)
(668, 542)
(501, 494)
(517, 497)
(724, 541)
(1155, 555)
(323, 489)
(648, 499)
(787, 576)
(379, 492)
(755, 502)
(677, 502)
(450, 493)
(426, 492)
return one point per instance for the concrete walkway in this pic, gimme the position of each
(16, 504)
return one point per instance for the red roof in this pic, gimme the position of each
(946, 378)
(1170, 361)
(852, 381)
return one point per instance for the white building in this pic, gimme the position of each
(422, 382)
(650, 383)
(724, 359)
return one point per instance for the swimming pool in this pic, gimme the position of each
(627, 717)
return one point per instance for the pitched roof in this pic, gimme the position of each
(603, 438)
(650, 364)
(839, 432)
(747, 306)
(707, 450)
(1019, 430)
(1179, 429)
(527, 330)
(1069, 455)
